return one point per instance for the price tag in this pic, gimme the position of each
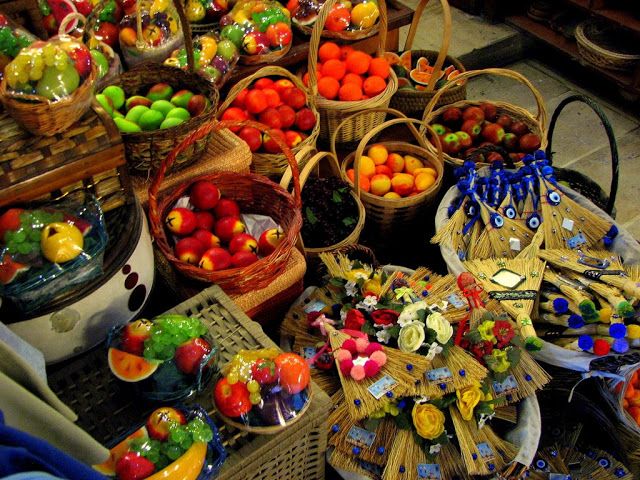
(439, 375)
(429, 470)
(361, 437)
(382, 386)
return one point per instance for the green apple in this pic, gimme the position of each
(56, 84)
(136, 112)
(101, 62)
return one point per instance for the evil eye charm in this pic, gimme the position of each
(554, 198)
(496, 220)
(604, 462)
(471, 209)
(533, 221)
(509, 212)
(541, 464)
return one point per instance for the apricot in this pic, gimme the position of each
(367, 166)
(391, 195)
(412, 163)
(365, 184)
(380, 184)
(424, 181)
(378, 153)
(395, 162)
(635, 414)
(625, 403)
(402, 184)
(634, 379)
(383, 169)
(430, 170)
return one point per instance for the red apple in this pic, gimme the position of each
(204, 195)
(190, 250)
(226, 208)
(197, 104)
(269, 240)
(281, 85)
(206, 238)
(232, 400)
(519, 128)
(181, 221)
(471, 128)
(451, 143)
(493, 133)
(287, 116)
(205, 220)
(133, 466)
(161, 419)
(473, 113)
(305, 119)
(271, 118)
(133, 336)
(439, 129)
(215, 259)
(243, 242)
(452, 116)
(295, 98)
(235, 114)
(252, 137)
(510, 141)
(227, 227)
(243, 259)
(465, 140)
(189, 356)
(269, 144)
(505, 122)
(529, 142)
(293, 138)
(490, 111)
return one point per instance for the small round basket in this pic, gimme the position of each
(413, 102)
(267, 58)
(344, 35)
(536, 123)
(600, 44)
(273, 165)
(254, 194)
(311, 166)
(333, 112)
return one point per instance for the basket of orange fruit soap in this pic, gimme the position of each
(465, 125)
(422, 72)
(156, 106)
(333, 215)
(395, 180)
(279, 100)
(235, 230)
(346, 81)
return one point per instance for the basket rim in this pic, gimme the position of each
(581, 37)
(452, 90)
(346, 35)
(265, 58)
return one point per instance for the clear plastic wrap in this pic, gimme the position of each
(205, 11)
(53, 70)
(175, 442)
(214, 59)
(166, 359)
(47, 251)
(13, 38)
(151, 33)
(344, 16)
(55, 11)
(263, 390)
(104, 20)
(257, 27)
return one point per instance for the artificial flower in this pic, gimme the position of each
(435, 449)
(485, 329)
(369, 303)
(411, 337)
(467, 399)
(383, 336)
(479, 350)
(372, 287)
(428, 420)
(484, 418)
(354, 320)
(384, 317)
(500, 363)
(434, 349)
(410, 313)
(504, 332)
(358, 274)
(442, 327)
(351, 288)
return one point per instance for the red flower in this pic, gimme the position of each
(355, 320)
(385, 316)
(504, 332)
(481, 349)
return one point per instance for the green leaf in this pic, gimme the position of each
(403, 421)
(443, 402)
(336, 282)
(500, 377)
(430, 335)
(484, 408)
(347, 222)
(422, 315)
(513, 355)
(371, 424)
(418, 439)
(473, 336)
(357, 264)
(442, 439)
(368, 328)
(336, 197)
(311, 218)
(394, 331)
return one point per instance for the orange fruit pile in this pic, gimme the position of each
(631, 400)
(349, 75)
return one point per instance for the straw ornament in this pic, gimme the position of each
(579, 297)
(531, 250)
(556, 301)
(377, 453)
(350, 463)
(569, 321)
(610, 294)
(404, 458)
(506, 236)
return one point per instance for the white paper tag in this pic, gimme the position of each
(567, 224)
(514, 244)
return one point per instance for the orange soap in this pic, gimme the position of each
(379, 67)
(358, 62)
(329, 51)
(328, 87)
(350, 92)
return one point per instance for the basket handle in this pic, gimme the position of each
(419, 138)
(200, 133)
(302, 154)
(613, 145)
(345, 121)
(265, 72)
(316, 37)
(446, 38)
(62, 29)
(540, 117)
(309, 167)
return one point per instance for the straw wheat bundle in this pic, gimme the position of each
(404, 457)
(612, 295)
(506, 236)
(557, 303)
(579, 297)
(378, 452)
(452, 233)
(531, 250)
(529, 376)
(508, 413)
(349, 463)
(568, 321)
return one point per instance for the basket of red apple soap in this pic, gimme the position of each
(235, 230)
(468, 124)
(278, 99)
(49, 85)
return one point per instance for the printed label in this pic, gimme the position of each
(382, 386)
(361, 437)
(567, 224)
(314, 306)
(513, 295)
(439, 375)
(485, 451)
(576, 241)
(503, 388)
(455, 300)
(559, 476)
(429, 470)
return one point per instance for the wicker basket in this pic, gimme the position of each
(333, 112)
(273, 165)
(254, 193)
(342, 36)
(313, 165)
(595, 46)
(384, 215)
(265, 59)
(536, 123)
(413, 102)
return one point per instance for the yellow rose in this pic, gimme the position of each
(372, 286)
(501, 363)
(485, 329)
(467, 400)
(357, 274)
(411, 337)
(428, 420)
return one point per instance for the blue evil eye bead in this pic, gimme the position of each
(496, 220)
(604, 462)
(409, 367)
(509, 212)
(356, 450)
(462, 372)
(554, 197)
(575, 321)
(619, 472)
(335, 428)
(540, 155)
(402, 469)
(533, 221)
(528, 377)
(389, 394)
(380, 450)
(471, 209)
(541, 464)
(357, 402)
(474, 456)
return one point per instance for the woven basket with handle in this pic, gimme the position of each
(387, 214)
(274, 164)
(413, 102)
(312, 166)
(333, 112)
(254, 194)
(344, 35)
(146, 150)
(536, 123)
(596, 47)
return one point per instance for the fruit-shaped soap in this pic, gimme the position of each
(61, 242)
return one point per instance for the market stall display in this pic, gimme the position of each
(13, 38)
(345, 22)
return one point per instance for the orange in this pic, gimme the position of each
(625, 403)
(630, 392)
(305, 79)
(293, 372)
(353, 78)
(635, 413)
(379, 67)
(329, 51)
(328, 87)
(334, 68)
(374, 85)
(345, 51)
(350, 92)
(358, 62)
(365, 184)
(634, 378)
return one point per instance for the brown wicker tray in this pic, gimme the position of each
(108, 410)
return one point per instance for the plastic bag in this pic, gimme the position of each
(343, 15)
(257, 27)
(104, 20)
(151, 33)
(205, 11)
(213, 58)
(263, 388)
(13, 38)
(55, 11)
(47, 251)
(52, 70)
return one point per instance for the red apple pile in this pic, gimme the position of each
(278, 104)
(213, 236)
(463, 130)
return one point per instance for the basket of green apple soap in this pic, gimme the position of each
(466, 125)
(232, 229)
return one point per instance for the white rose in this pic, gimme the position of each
(411, 337)
(442, 327)
(410, 313)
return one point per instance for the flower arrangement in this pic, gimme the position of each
(493, 343)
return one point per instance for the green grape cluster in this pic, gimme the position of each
(26, 239)
(169, 332)
(29, 64)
